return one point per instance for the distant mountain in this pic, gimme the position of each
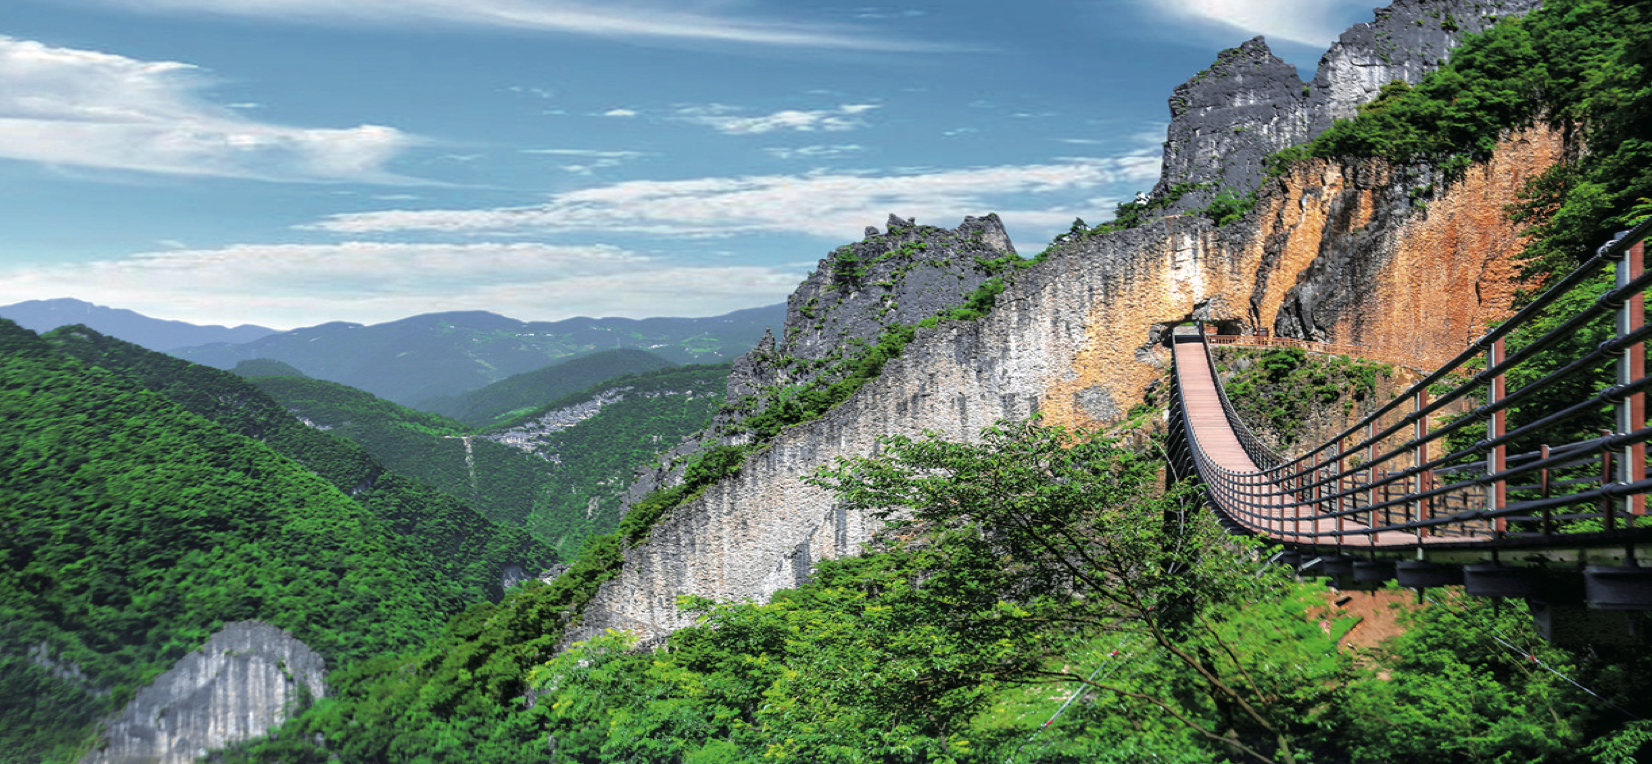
(501, 482)
(522, 393)
(444, 354)
(153, 333)
(265, 367)
(560, 470)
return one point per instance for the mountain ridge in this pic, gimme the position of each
(160, 334)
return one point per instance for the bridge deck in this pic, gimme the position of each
(1202, 405)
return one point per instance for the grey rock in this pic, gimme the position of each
(246, 679)
(855, 294)
(1226, 120)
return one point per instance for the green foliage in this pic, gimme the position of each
(1278, 390)
(1129, 215)
(136, 528)
(581, 494)
(1451, 692)
(473, 551)
(1229, 206)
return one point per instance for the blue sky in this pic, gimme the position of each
(291, 162)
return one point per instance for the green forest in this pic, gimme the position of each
(561, 501)
(135, 527)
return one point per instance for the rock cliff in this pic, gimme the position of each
(247, 678)
(1338, 251)
(1226, 120)
(896, 277)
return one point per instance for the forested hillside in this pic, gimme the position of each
(134, 528)
(563, 482)
(598, 437)
(476, 552)
(520, 394)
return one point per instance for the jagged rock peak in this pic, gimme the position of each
(1404, 41)
(856, 293)
(1227, 119)
(1249, 104)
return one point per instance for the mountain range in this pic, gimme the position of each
(444, 354)
(136, 328)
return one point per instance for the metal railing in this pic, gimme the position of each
(1563, 453)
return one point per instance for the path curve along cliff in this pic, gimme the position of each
(1333, 251)
(247, 678)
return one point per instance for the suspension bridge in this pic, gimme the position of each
(1517, 469)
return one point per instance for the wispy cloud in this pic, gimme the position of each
(620, 113)
(63, 106)
(814, 152)
(593, 159)
(288, 285)
(826, 204)
(658, 19)
(727, 119)
(1308, 22)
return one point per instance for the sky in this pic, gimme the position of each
(293, 162)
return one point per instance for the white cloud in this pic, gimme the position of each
(833, 205)
(657, 19)
(63, 106)
(1315, 23)
(620, 113)
(590, 153)
(814, 152)
(726, 119)
(288, 285)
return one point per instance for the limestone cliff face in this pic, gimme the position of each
(1339, 246)
(245, 680)
(1226, 120)
(896, 277)
(1358, 252)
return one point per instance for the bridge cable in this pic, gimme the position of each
(1531, 656)
(1082, 690)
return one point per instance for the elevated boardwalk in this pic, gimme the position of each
(1245, 494)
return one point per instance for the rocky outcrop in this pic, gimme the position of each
(1074, 339)
(1406, 41)
(1359, 252)
(248, 678)
(1226, 120)
(897, 277)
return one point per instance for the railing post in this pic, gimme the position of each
(1419, 457)
(1631, 412)
(1548, 512)
(1337, 487)
(1370, 481)
(1497, 460)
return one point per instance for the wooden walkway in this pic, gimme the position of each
(1289, 521)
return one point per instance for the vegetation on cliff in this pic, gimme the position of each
(1583, 65)
(1282, 392)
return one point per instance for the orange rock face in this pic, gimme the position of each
(1337, 251)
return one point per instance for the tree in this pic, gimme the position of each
(1080, 537)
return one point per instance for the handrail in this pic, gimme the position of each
(1375, 486)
